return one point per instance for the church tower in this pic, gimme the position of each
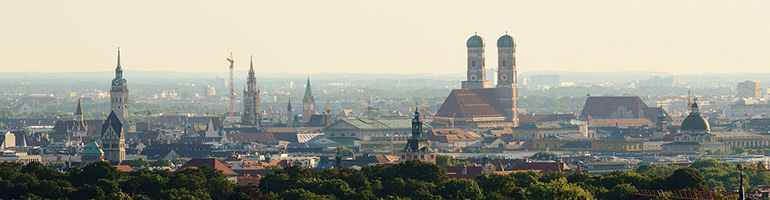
(251, 99)
(119, 96)
(289, 115)
(507, 90)
(113, 139)
(308, 103)
(476, 77)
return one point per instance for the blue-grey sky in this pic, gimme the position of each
(429, 36)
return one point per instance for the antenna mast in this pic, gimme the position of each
(232, 90)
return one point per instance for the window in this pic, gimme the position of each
(504, 63)
(473, 63)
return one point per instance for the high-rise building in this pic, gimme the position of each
(113, 139)
(119, 97)
(251, 99)
(750, 89)
(308, 103)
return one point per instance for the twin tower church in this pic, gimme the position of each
(479, 103)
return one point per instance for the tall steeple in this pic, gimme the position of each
(119, 101)
(251, 99)
(289, 115)
(118, 69)
(308, 103)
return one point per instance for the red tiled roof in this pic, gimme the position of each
(469, 103)
(123, 168)
(211, 162)
(542, 166)
(446, 135)
(599, 107)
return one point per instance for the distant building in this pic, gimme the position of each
(620, 107)
(119, 98)
(418, 147)
(91, 153)
(694, 135)
(544, 82)
(477, 104)
(540, 130)
(308, 103)
(113, 139)
(750, 89)
(251, 100)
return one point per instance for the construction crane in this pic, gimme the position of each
(232, 90)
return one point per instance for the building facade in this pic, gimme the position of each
(113, 139)
(308, 103)
(750, 89)
(251, 101)
(119, 97)
(478, 104)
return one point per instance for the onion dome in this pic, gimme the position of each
(694, 121)
(506, 41)
(475, 41)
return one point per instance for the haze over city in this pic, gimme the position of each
(404, 37)
(327, 100)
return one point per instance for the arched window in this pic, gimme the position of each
(473, 63)
(504, 63)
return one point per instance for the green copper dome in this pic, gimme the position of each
(506, 41)
(475, 41)
(694, 121)
(92, 148)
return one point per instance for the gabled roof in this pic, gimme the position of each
(447, 135)
(470, 103)
(604, 106)
(250, 137)
(401, 123)
(211, 162)
(92, 148)
(114, 123)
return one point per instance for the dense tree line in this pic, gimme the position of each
(407, 180)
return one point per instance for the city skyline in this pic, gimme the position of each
(322, 37)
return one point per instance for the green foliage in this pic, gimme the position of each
(406, 180)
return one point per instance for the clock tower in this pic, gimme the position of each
(119, 96)
(308, 103)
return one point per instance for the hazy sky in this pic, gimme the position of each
(676, 36)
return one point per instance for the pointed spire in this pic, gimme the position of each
(79, 110)
(251, 64)
(308, 90)
(288, 107)
(119, 68)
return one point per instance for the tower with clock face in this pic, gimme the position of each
(507, 89)
(308, 103)
(119, 96)
(251, 114)
(476, 73)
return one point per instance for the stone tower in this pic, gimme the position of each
(289, 115)
(476, 77)
(119, 96)
(251, 99)
(507, 89)
(113, 139)
(418, 147)
(308, 103)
